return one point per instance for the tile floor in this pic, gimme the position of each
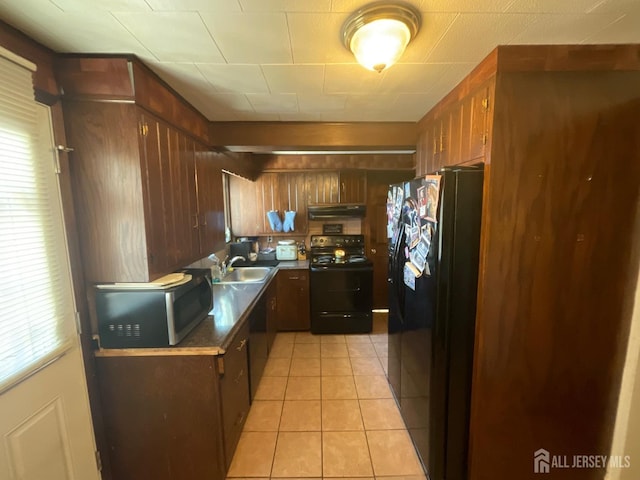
(324, 409)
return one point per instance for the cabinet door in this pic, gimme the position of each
(291, 188)
(161, 407)
(478, 131)
(234, 390)
(455, 132)
(210, 201)
(293, 300)
(269, 198)
(154, 166)
(183, 195)
(322, 187)
(353, 186)
(244, 207)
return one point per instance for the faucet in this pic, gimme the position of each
(227, 264)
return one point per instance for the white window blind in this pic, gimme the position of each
(36, 302)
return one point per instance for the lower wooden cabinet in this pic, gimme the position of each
(293, 300)
(162, 417)
(233, 368)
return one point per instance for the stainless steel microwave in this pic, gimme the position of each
(133, 317)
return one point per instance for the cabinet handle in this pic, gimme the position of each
(374, 251)
(240, 418)
(237, 379)
(294, 278)
(195, 217)
(242, 344)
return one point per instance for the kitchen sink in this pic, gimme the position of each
(247, 275)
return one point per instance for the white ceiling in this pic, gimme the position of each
(283, 60)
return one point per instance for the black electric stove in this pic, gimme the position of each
(341, 284)
(335, 251)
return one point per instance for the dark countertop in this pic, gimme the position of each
(232, 304)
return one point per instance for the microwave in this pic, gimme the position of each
(141, 316)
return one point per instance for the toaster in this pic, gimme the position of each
(286, 250)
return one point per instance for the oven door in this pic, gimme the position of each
(341, 299)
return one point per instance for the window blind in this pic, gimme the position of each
(36, 298)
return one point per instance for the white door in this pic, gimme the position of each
(45, 422)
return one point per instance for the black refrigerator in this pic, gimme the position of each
(434, 237)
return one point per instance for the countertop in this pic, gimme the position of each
(232, 304)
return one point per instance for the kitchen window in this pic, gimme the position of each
(36, 303)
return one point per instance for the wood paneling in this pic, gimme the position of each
(293, 135)
(164, 408)
(336, 162)
(375, 230)
(43, 78)
(242, 164)
(553, 301)
(107, 78)
(564, 58)
(124, 78)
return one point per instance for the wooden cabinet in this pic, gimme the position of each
(162, 407)
(353, 186)
(134, 182)
(293, 300)
(234, 390)
(209, 215)
(270, 191)
(322, 187)
(457, 133)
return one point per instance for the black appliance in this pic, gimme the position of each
(332, 211)
(432, 317)
(341, 285)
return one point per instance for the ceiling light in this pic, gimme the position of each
(378, 33)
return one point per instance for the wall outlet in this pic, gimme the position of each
(269, 239)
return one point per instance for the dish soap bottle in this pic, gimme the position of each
(216, 271)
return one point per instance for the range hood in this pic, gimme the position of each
(343, 210)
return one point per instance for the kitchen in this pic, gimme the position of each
(543, 225)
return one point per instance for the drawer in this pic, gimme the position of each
(234, 390)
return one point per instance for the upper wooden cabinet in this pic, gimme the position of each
(322, 187)
(353, 186)
(135, 192)
(271, 191)
(147, 190)
(457, 133)
(283, 191)
(208, 219)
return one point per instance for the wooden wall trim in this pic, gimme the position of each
(292, 135)
(557, 58)
(240, 164)
(531, 58)
(400, 162)
(44, 80)
(124, 78)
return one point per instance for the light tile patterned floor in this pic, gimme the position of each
(324, 410)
